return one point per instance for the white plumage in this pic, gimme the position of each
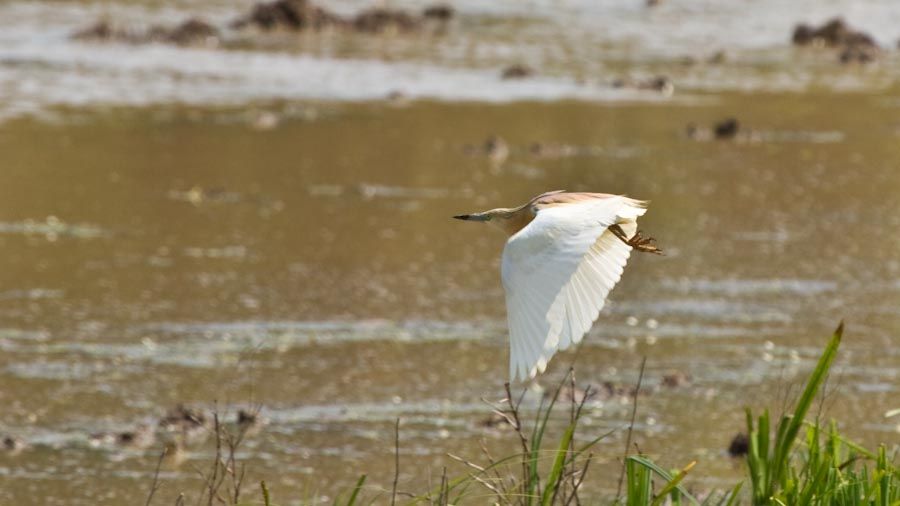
(557, 272)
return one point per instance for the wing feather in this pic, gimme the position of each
(601, 269)
(557, 272)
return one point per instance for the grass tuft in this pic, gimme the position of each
(796, 462)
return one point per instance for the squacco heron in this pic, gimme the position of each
(565, 252)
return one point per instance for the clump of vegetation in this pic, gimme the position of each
(519, 478)
(802, 463)
(828, 469)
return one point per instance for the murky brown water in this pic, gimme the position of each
(178, 255)
(282, 238)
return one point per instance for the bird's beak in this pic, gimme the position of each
(471, 217)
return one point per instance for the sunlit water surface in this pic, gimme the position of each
(264, 241)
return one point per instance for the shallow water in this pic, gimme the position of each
(188, 252)
(579, 48)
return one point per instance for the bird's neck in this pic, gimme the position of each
(516, 220)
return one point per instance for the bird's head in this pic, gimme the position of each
(503, 215)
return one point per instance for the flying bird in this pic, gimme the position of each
(565, 253)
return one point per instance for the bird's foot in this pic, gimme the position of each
(637, 241)
(644, 244)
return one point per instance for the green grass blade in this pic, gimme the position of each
(790, 426)
(733, 496)
(672, 485)
(536, 439)
(559, 464)
(662, 473)
(265, 493)
(356, 489)
(587, 446)
(639, 483)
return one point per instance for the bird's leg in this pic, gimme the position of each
(637, 241)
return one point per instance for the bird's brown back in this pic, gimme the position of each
(522, 216)
(555, 199)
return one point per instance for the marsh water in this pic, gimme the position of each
(176, 238)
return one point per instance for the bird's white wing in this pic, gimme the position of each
(557, 272)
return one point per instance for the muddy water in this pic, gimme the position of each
(180, 256)
(254, 225)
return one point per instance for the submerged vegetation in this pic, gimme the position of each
(797, 461)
